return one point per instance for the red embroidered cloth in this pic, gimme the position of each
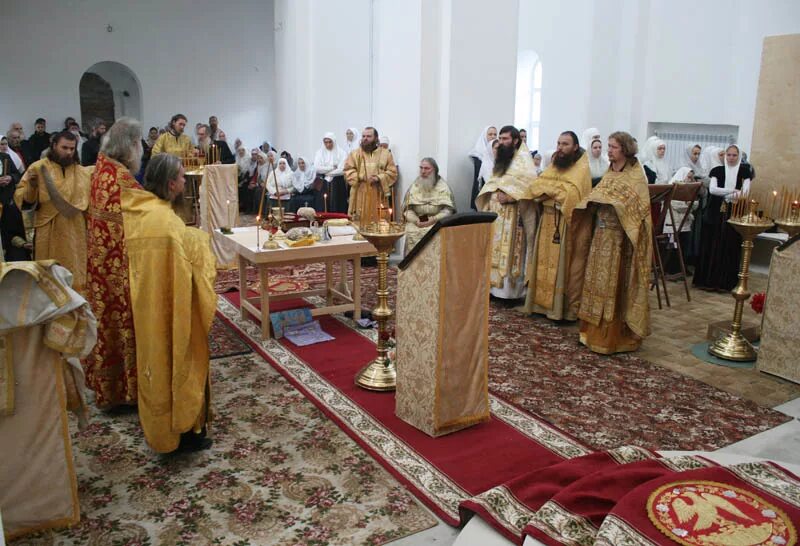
(111, 367)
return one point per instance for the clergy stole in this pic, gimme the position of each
(443, 332)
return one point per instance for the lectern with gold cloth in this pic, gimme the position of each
(443, 326)
(219, 208)
(780, 336)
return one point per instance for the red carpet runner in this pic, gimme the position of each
(443, 472)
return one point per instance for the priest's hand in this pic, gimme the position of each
(504, 199)
(5, 180)
(426, 223)
(375, 179)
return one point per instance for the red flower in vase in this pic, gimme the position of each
(757, 302)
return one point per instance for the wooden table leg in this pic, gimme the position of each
(328, 283)
(343, 286)
(242, 286)
(263, 277)
(357, 288)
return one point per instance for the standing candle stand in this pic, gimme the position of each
(733, 345)
(381, 374)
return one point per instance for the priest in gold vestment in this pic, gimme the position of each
(172, 271)
(370, 172)
(612, 228)
(58, 188)
(174, 141)
(428, 200)
(508, 192)
(562, 185)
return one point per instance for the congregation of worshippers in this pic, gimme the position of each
(89, 232)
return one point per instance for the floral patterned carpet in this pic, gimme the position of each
(604, 401)
(279, 473)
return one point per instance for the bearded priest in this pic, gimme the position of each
(58, 188)
(562, 185)
(508, 193)
(428, 200)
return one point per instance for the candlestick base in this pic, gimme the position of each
(733, 346)
(378, 375)
(226, 230)
(789, 225)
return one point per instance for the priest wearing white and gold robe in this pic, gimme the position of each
(508, 192)
(428, 200)
(561, 186)
(370, 172)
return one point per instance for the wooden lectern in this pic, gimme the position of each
(442, 326)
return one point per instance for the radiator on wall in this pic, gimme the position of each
(677, 143)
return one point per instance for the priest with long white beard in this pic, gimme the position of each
(428, 200)
(508, 192)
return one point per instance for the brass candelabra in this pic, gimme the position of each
(790, 223)
(381, 373)
(733, 345)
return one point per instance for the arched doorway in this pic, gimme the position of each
(109, 90)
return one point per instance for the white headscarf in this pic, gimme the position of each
(348, 146)
(285, 178)
(697, 167)
(487, 165)
(263, 169)
(547, 158)
(243, 162)
(732, 172)
(304, 178)
(483, 148)
(680, 175)
(709, 158)
(588, 136)
(383, 139)
(659, 165)
(597, 165)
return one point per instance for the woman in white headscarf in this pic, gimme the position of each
(710, 158)
(352, 140)
(488, 164)
(479, 153)
(590, 135)
(692, 159)
(304, 176)
(598, 162)
(283, 177)
(547, 158)
(720, 246)
(329, 164)
(656, 160)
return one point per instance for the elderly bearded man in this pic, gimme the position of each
(370, 171)
(111, 366)
(428, 200)
(171, 272)
(204, 142)
(508, 193)
(561, 186)
(59, 188)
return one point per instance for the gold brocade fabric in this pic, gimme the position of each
(58, 237)
(435, 203)
(612, 227)
(172, 273)
(111, 367)
(550, 261)
(510, 240)
(366, 197)
(170, 144)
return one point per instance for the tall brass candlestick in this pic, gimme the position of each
(733, 345)
(381, 373)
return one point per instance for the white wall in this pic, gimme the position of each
(322, 71)
(621, 64)
(197, 57)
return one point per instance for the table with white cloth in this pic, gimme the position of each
(219, 207)
(243, 243)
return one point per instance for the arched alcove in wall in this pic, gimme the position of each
(109, 90)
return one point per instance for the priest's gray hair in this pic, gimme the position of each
(161, 169)
(432, 163)
(123, 143)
